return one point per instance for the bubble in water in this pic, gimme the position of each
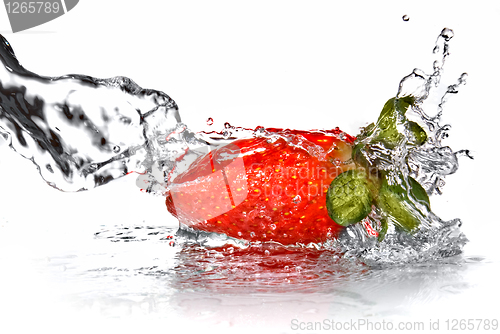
(271, 140)
(92, 168)
(210, 121)
(462, 79)
(464, 153)
(116, 148)
(406, 18)
(447, 34)
(436, 65)
(297, 199)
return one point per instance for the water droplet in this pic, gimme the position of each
(252, 234)
(418, 72)
(463, 78)
(226, 134)
(227, 125)
(287, 268)
(406, 18)
(272, 139)
(260, 131)
(453, 89)
(436, 65)
(297, 199)
(273, 226)
(447, 34)
(210, 121)
(267, 252)
(464, 153)
(116, 148)
(92, 168)
(240, 234)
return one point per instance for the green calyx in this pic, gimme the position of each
(416, 135)
(386, 131)
(353, 193)
(399, 204)
(350, 197)
(393, 113)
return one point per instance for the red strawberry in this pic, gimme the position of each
(269, 188)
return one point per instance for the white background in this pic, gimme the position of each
(295, 64)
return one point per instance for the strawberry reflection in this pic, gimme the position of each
(182, 267)
(261, 268)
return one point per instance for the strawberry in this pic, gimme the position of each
(270, 188)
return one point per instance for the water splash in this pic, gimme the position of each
(82, 132)
(429, 164)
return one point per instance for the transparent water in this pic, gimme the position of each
(150, 270)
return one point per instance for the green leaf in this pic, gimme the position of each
(383, 231)
(417, 135)
(419, 193)
(402, 204)
(349, 197)
(399, 203)
(392, 114)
